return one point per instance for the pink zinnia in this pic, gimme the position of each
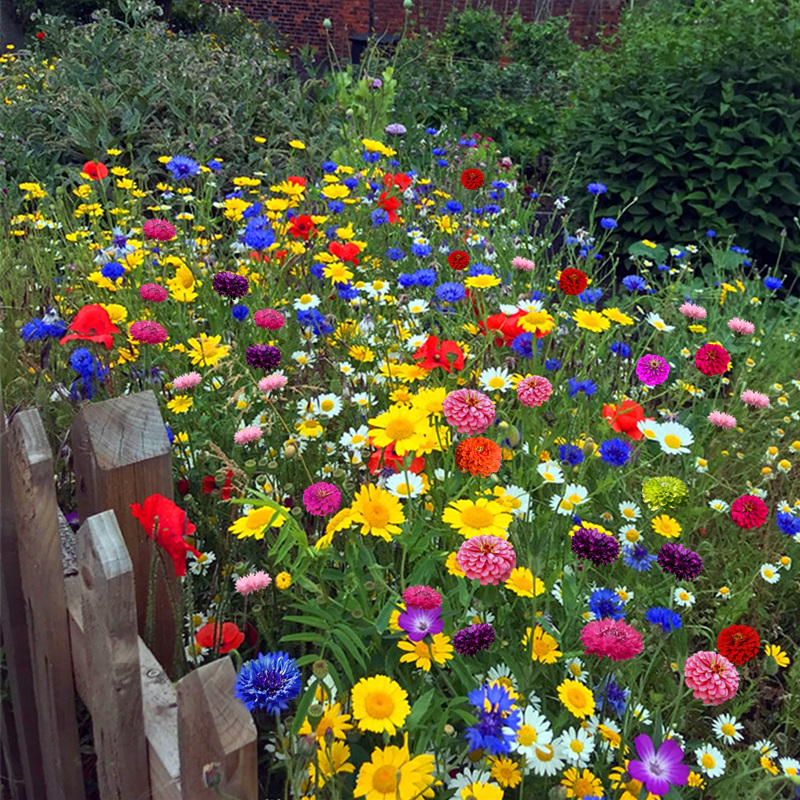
(153, 292)
(711, 677)
(712, 359)
(722, 420)
(468, 410)
(613, 638)
(158, 229)
(322, 498)
(741, 326)
(652, 370)
(755, 399)
(186, 381)
(249, 434)
(423, 597)
(490, 559)
(749, 511)
(523, 263)
(254, 582)
(147, 332)
(272, 382)
(692, 311)
(269, 318)
(534, 390)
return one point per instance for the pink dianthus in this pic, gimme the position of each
(148, 332)
(692, 311)
(269, 318)
(158, 229)
(711, 677)
(652, 370)
(186, 381)
(254, 582)
(534, 390)
(490, 559)
(423, 597)
(249, 434)
(755, 399)
(741, 326)
(153, 292)
(613, 638)
(468, 410)
(322, 498)
(272, 382)
(523, 263)
(722, 420)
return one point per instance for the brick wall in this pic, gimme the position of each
(301, 20)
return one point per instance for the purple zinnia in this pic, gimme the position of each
(680, 561)
(263, 356)
(469, 641)
(652, 370)
(595, 545)
(229, 284)
(658, 770)
(419, 622)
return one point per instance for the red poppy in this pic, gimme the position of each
(170, 523)
(739, 643)
(302, 227)
(95, 171)
(472, 179)
(389, 203)
(209, 484)
(40, 35)
(92, 324)
(386, 457)
(296, 179)
(507, 326)
(228, 636)
(345, 252)
(458, 259)
(572, 281)
(401, 180)
(436, 355)
(625, 418)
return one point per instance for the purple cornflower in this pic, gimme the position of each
(419, 622)
(658, 770)
(469, 641)
(652, 370)
(595, 546)
(680, 561)
(229, 284)
(263, 356)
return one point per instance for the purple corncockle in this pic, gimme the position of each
(419, 622)
(658, 770)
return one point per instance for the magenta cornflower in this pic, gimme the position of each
(158, 229)
(711, 677)
(693, 311)
(722, 420)
(534, 390)
(422, 597)
(148, 332)
(186, 381)
(741, 326)
(468, 411)
(322, 498)
(269, 318)
(490, 559)
(523, 263)
(251, 433)
(613, 638)
(755, 399)
(153, 293)
(272, 382)
(652, 370)
(254, 582)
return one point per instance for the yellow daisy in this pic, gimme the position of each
(666, 526)
(256, 522)
(582, 784)
(207, 350)
(591, 320)
(481, 517)
(536, 322)
(576, 698)
(331, 761)
(544, 647)
(391, 774)
(522, 583)
(180, 404)
(380, 704)
(422, 654)
(615, 315)
(378, 512)
(402, 426)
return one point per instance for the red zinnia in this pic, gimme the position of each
(92, 324)
(95, 171)
(436, 355)
(625, 418)
(228, 636)
(170, 524)
(389, 203)
(458, 259)
(472, 179)
(345, 252)
(739, 643)
(302, 226)
(572, 281)
(479, 456)
(401, 181)
(749, 511)
(712, 359)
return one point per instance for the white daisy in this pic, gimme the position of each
(770, 573)
(700, 464)
(790, 767)
(682, 597)
(624, 594)
(573, 496)
(765, 747)
(362, 400)
(306, 301)
(465, 778)
(517, 500)
(551, 472)
(629, 536)
(355, 438)
(346, 368)
(649, 428)
(575, 670)
(404, 485)
(546, 759)
(710, 760)
(557, 592)
(720, 506)
(727, 728)
(658, 323)
(303, 359)
(641, 713)
(495, 380)
(577, 745)
(201, 563)
(476, 617)
(414, 342)
(377, 288)
(417, 306)
(630, 511)
(674, 438)
(329, 405)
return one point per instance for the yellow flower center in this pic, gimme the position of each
(477, 517)
(399, 429)
(728, 729)
(576, 746)
(376, 514)
(379, 705)
(496, 383)
(546, 754)
(305, 298)
(327, 405)
(526, 735)
(384, 780)
(708, 761)
(583, 787)
(576, 698)
(672, 441)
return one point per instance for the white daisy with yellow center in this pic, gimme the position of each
(683, 597)
(711, 761)
(674, 438)
(495, 380)
(770, 573)
(551, 472)
(577, 745)
(573, 496)
(727, 728)
(630, 511)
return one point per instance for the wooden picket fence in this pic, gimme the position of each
(81, 633)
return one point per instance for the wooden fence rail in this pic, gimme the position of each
(80, 634)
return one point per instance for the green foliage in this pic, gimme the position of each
(474, 33)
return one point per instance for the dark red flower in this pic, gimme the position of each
(183, 487)
(389, 203)
(228, 636)
(40, 35)
(92, 324)
(458, 259)
(572, 281)
(95, 171)
(472, 179)
(739, 643)
(302, 227)
(209, 484)
(227, 487)
(386, 457)
(401, 181)
(170, 524)
(436, 355)
(345, 252)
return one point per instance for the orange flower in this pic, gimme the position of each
(478, 456)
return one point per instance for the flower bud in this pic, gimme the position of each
(320, 668)
(408, 4)
(326, 23)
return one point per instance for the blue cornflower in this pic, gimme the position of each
(609, 223)
(634, 283)
(183, 167)
(347, 291)
(317, 270)
(258, 238)
(350, 183)
(39, 329)
(492, 208)
(478, 269)
(395, 254)
(537, 295)
(438, 151)
(379, 217)
(787, 523)
(170, 434)
(454, 207)
(773, 283)
(268, 682)
(214, 165)
(421, 250)
(639, 558)
(711, 234)
(523, 345)
(668, 619)
(406, 280)
(741, 250)
(613, 695)
(113, 270)
(663, 267)
(590, 295)
(431, 131)
(335, 206)
(497, 727)
(615, 452)
(587, 387)
(571, 454)
(329, 166)
(240, 312)
(596, 188)
(606, 604)
(451, 292)
(620, 349)
(425, 277)
(311, 318)
(569, 239)
(370, 158)
(252, 213)
(552, 364)
(330, 232)
(82, 361)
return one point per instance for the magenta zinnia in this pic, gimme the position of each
(749, 511)
(534, 390)
(148, 332)
(652, 370)
(322, 498)
(613, 638)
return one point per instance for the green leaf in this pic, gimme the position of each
(420, 707)
(302, 707)
(342, 660)
(306, 636)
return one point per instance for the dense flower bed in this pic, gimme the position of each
(481, 516)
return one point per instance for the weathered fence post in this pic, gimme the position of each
(214, 726)
(122, 456)
(112, 651)
(35, 517)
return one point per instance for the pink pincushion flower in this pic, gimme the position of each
(741, 326)
(254, 582)
(749, 511)
(153, 292)
(158, 229)
(249, 434)
(147, 332)
(422, 597)
(755, 399)
(269, 318)
(692, 311)
(490, 559)
(652, 370)
(523, 263)
(322, 498)
(722, 420)
(186, 381)
(468, 410)
(712, 359)
(613, 638)
(272, 382)
(711, 677)
(534, 390)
